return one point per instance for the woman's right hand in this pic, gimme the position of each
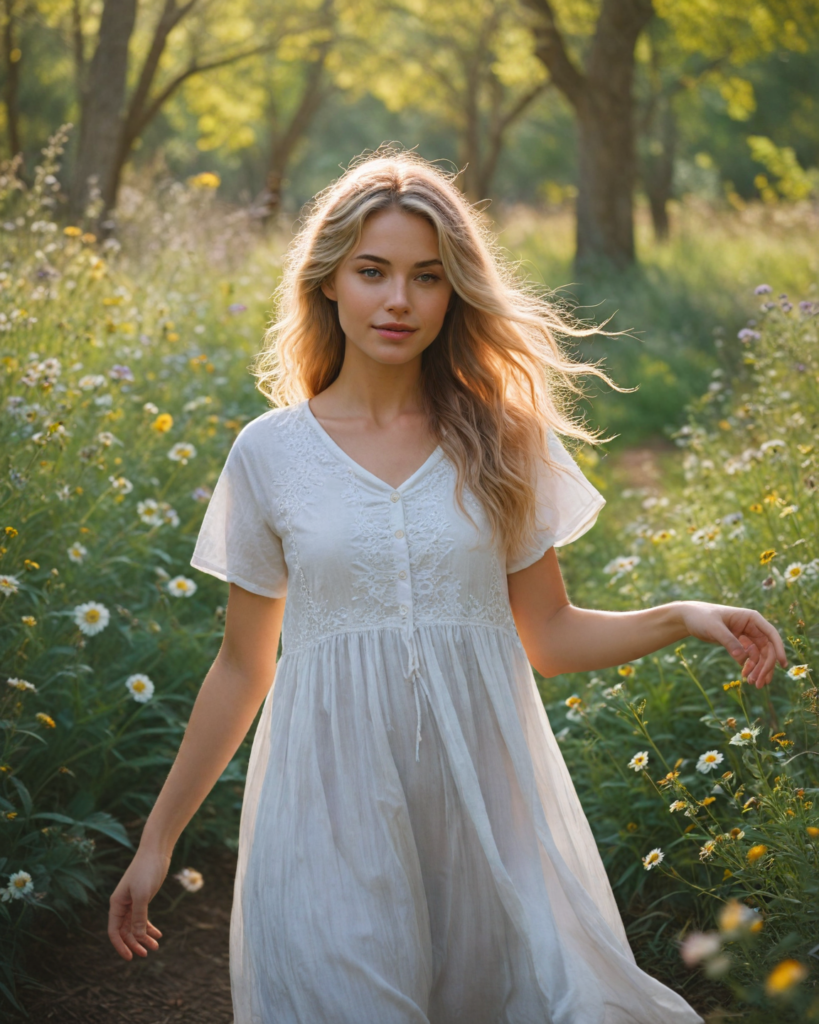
(129, 929)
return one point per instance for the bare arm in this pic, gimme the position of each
(231, 694)
(558, 637)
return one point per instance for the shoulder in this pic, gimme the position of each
(266, 436)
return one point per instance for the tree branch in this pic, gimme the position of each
(551, 50)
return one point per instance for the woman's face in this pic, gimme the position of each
(391, 291)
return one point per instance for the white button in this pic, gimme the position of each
(395, 496)
(402, 575)
(403, 609)
(399, 534)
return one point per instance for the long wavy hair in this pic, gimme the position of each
(493, 381)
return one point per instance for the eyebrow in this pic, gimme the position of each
(380, 259)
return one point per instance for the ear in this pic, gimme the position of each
(328, 287)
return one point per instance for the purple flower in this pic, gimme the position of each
(202, 494)
(120, 372)
(763, 289)
(236, 307)
(800, 367)
(806, 307)
(786, 307)
(747, 335)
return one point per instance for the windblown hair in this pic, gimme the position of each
(493, 381)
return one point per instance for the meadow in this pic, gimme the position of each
(123, 381)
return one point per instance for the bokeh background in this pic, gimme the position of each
(649, 164)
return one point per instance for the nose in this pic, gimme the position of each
(397, 300)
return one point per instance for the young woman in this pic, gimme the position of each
(412, 847)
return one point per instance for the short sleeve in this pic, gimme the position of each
(567, 505)
(236, 541)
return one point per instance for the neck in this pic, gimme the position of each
(378, 391)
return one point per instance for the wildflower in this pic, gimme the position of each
(707, 801)
(150, 408)
(653, 858)
(163, 423)
(140, 687)
(21, 684)
(736, 834)
(77, 552)
(120, 372)
(769, 445)
(756, 853)
(745, 736)
(736, 917)
(72, 232)
(236, 307)
(106, 438)
(747, 334)
(767, 556)
(190, 879)
(148, 512)
(709, 760)
(812, 831)
(763, 289)
(202, 494)
(121, 484)
(699, 946)
(707, 849)
(785, 976)
(63, 493)
(92, 617)
(205, 180)
(623, 564)
(797, 672)
(574, 701)
(788, 510)
(29, 565)
(169, 515)
(626, 670)
(662, 535)
(181, 586)
(28, 620)
(20, 885)
(46, 720)
(794, 572)
(9, 585)
(10, 532)
(181, 452)
(90, 382)
(639, 761)
(768, 583)
(756, 507)
(613, 691)
(677, 805)
(669, 779)
(732, 685)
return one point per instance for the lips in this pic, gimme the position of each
(395, 330)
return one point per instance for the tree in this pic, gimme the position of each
(12, 55)
(601, 94)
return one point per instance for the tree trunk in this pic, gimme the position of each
(101, 105)
(11, 59)
(658, 171)
(601, 95)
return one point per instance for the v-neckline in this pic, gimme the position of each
(339, 452)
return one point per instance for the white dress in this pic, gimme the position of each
(412, 848)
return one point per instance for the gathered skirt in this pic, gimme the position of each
(462, 885)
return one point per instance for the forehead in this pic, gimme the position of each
(394, 231)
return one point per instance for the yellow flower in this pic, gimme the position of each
(11, 815)
(573, 701)
(626, 670)
(708, 800)
(756, 853)
(29, 620)
(46, 720)
(767, 556)
(163, 423)
(724, 425)
(732, 685)
(10, 531)
(72, 232)
(736, 833)
(812, 831)
(785, 976)
(756, 507)
(28, 564)
(88, 238)
(173, 336)
(207, 179)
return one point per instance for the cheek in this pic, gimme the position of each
(355, 304)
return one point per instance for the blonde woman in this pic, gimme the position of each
(412, 847)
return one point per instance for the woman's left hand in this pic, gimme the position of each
(747, 636)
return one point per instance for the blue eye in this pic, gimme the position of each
(368, 271)
(429, 277)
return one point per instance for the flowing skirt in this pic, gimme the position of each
(462, 886)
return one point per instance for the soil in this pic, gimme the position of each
(186, 981)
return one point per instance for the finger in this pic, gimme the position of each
(139, 922)
(153, 931)
(764, 671)
(118, 943)
(118, 911)
(771, 633)
(734, 645)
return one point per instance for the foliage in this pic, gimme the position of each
(122, 385)
(674, 753)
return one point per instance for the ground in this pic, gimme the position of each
(185, 982)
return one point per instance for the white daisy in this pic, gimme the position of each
(620, 565)
(181, 586)
(181, 452)
(639, 761)
(677, 805)
(63, 493)
(797, 672)
(90, 381)
(120, 484)
(21, 684)
(169, 515)
(150, 408)
(20, 884)
(794, 571)
(653, 858)
(148, 512)
(709, 760)
(9, 585)
(190, 879)
(745, 736)
(699, 946)
(77, 552)
(106, 438)
(92, 617)
(707, 849)
(140, 687)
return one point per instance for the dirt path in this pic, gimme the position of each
(185, 982)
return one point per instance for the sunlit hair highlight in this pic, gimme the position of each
(496, 378)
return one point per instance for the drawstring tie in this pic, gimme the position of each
(413, 673)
